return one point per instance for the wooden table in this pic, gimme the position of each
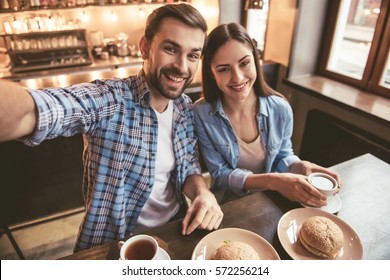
(365, 197)
(366, 207)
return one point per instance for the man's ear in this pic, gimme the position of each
(144, 48)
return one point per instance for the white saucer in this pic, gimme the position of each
(162, 255)
(333, 206)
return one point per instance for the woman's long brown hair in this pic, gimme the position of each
(217, 38)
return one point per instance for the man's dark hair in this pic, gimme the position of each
(183, 12)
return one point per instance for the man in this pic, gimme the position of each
(140, 150)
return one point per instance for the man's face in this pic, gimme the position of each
(172, 57)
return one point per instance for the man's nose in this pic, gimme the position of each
(181, 64)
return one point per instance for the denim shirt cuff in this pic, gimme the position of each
(195, 169)
(237, 179)
(284, 164)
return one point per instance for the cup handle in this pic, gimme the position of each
(120, 244)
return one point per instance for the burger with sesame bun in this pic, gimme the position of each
(235, 250)
(321, 236)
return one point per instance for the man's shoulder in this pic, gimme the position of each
(183, 102)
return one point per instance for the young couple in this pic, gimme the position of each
(140, 155)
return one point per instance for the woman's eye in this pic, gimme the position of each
(224, 69)
(245, 63)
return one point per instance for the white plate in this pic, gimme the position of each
(211, 242)
(288, 229)
(333, 206)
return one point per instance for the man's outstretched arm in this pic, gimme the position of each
(17, 111)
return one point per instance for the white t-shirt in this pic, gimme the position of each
(162, 203)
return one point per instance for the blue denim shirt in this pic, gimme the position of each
(220, 148)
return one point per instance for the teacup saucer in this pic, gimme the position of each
(162, 255)
(333, 206)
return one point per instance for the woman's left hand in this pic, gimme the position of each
(306, 168)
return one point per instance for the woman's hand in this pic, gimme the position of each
(293, 186)
(306, 168)
(296, 187)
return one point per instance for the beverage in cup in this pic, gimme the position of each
(138, 247)
(324, 183)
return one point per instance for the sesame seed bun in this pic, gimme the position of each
(235, 250)
(321, 236)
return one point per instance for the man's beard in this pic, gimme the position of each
(167, 91)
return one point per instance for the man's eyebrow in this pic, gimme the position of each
(169, 41)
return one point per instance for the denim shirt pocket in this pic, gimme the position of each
(223, 149)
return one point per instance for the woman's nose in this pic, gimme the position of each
(237, 75)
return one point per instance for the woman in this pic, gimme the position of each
(245, 127)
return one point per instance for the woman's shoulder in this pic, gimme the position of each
(275, 100)
(277, 105)
(201, 104)
(201, 101)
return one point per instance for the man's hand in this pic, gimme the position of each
(204, 211)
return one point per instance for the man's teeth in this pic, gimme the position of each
(175, 79)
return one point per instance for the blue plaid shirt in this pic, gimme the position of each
(120, 139)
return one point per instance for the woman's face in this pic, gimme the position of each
(234, 70)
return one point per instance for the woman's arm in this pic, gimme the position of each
(220, 169)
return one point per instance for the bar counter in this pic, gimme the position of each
(118, 67)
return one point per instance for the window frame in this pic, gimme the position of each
(377, 56)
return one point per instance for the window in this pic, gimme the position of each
(357, 50)
(256, 20)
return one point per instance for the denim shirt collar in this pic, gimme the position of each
(263, 106)
(216, 107)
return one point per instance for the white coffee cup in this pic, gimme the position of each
(138, 247)
(324, 183)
